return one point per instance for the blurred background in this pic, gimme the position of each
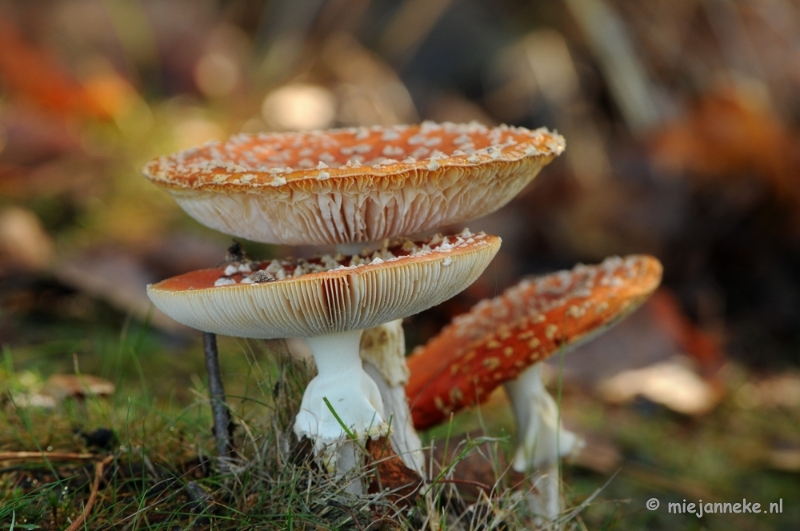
(683, 141)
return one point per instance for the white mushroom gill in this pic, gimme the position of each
(272, 188)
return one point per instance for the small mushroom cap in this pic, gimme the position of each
(353, 185)
(499, 338)
(350, 297)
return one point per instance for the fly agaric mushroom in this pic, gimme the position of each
(329, 301)
(501, 340)
(353, 185)
(350, 185)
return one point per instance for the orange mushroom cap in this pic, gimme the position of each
(499, 338)
(353, 185)
(318, 296)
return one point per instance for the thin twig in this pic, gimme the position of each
(338, 505)
(482, 486)
(51, 456)
(98, 475)
(158, 499)
(219, 408)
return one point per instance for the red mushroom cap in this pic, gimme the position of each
(499, 338)
(353, 185)
(307, 298)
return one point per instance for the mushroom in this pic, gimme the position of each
(501, 340)
(328, 301)
(357, 185)
(353, 185)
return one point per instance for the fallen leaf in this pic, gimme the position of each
(669, 383)
(63, 386)
(32, 74)
(392, 475)
(24, 244)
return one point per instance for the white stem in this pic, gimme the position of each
(546, 504)
(541, 438)
(383, 353)
(352, 395)
(384, 346)
(349, 249)
(403, 436)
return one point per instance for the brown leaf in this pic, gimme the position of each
(730, 133)
(61, 386)
(391, 474)
(24, 244)
(33, 74)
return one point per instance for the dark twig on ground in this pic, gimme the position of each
(219, 409)
(348, 510)
(98, 475)
(52, 456)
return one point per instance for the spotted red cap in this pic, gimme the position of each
(498, 339)
(353, 185)
(307, 298)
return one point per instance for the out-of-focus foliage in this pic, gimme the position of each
(681, 119)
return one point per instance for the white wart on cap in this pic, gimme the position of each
(353, 185)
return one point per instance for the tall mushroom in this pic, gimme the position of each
(501, 341)
(355, 185)
(329, 301)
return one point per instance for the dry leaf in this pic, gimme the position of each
(392, 474)
(62, 386)
(670, 383)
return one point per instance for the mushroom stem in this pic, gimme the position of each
(355, 403)
(219, 409)
(545, 503)
(541, 438)
(383, 353)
